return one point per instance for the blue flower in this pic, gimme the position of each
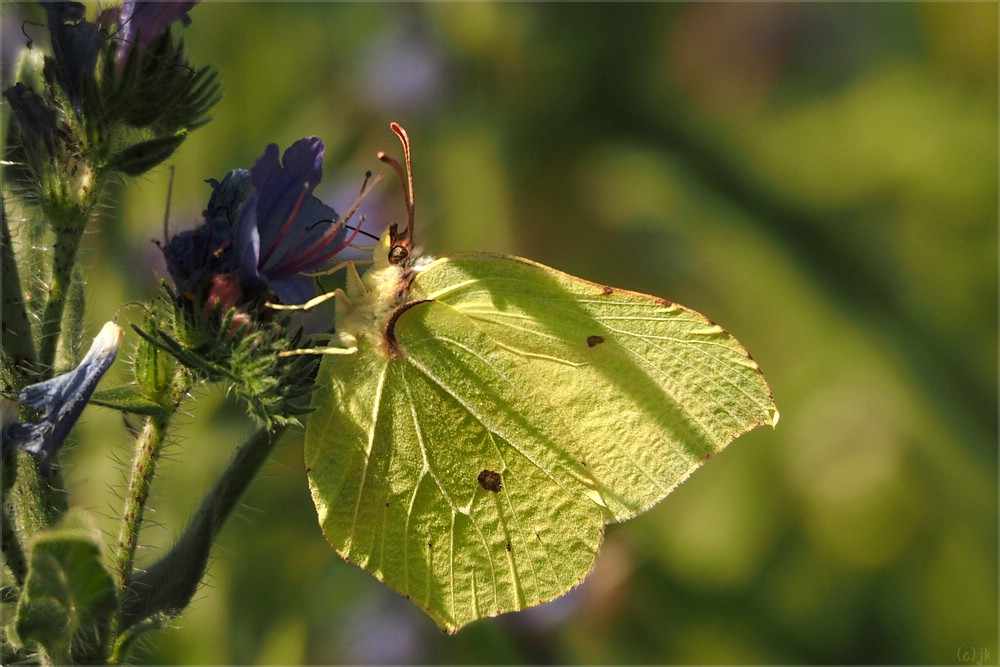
(283, 230)
(195, 256)
(75, 45)
(37, 122)
(263, 225)
(142, 22)
(62, 399)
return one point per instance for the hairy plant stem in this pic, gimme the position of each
(19, 363)
(13, 551)
(148, 447)
(65, 250)
(19, 355)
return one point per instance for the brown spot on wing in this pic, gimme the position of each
(490, 480)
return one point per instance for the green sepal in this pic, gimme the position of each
(248, 357)
(129, 399)
(69, 598)
(153, 367)
(157, 89)
(139, 158)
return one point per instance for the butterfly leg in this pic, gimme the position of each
(308, 305)
(341, 265)
(348, 346)
(344, 343)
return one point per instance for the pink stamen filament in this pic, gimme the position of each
(320, 252)
(286, 227)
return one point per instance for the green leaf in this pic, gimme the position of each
(128, 399)
(68, 598)
(497, 413)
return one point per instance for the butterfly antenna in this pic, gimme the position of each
(401, 243)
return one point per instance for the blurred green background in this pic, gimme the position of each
(819, 179)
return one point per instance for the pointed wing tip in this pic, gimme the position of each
(449, 629)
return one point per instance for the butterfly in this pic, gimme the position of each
(482, 418)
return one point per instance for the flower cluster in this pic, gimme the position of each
(117, 94)
(113, 96)
(263, 229)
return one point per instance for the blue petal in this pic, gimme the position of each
(294, 289)
(280, 184)
(148, 20)
(228, 196)
(75, 44)
(315, 235)
(247, 253)
(195, 255)
(296, 232)
(63, 398)
(37, 121)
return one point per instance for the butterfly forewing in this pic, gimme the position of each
(639, 390)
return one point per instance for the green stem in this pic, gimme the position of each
(19, 366)
(148, 447)
(169, 584)
(12, 550)
(41, 500)
(19, 357)
(65, 249)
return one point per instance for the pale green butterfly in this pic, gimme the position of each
(484, 416)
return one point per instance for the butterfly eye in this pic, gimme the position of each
(398, 254)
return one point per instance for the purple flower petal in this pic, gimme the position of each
(277, 228)
(63, 398)
(75, 44)
(294, 289)
(195, 255)
(144, 21)
(287, 230)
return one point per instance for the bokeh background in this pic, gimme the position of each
(820, 179)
